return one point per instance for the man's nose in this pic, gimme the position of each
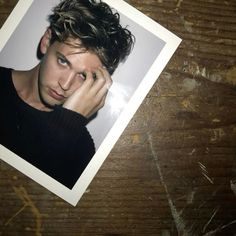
(66, 80)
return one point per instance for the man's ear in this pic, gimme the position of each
(45, 41)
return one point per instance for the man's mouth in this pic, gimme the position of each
(54, 94)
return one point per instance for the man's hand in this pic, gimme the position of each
(90, 97)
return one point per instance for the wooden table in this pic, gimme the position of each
(173, 171)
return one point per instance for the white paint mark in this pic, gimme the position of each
(218, 134)
(167, 76)
(179, 221)
(216, 120)
(190, 84)
(179, 3)
(190, 197)
(211, 218)
(165, 232)
(233, 186)
(192, 152)
(215, 78)
(87, 190)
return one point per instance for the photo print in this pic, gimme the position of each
(41, 142)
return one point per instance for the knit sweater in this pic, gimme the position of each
(56, 142)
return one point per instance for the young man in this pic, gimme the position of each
(45, 109)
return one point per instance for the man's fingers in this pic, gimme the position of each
(102, 86)
(90, 97)
(99, 105)
(102, 80)
(99, 82)
(89, 81)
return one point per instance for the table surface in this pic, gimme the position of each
(173, 170)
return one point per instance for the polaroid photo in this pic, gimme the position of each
(153, 47)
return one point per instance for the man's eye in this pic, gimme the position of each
(94, 76)
(61, 61)
(82, 76)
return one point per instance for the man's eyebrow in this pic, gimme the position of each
(63, 57)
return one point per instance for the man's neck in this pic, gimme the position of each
(26, 85)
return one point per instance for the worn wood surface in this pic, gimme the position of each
(173, 171)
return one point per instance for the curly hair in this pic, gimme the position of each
(97, 28)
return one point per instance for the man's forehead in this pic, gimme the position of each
(69, 53)
(70, 47)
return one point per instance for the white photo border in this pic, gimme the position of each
(73, 195)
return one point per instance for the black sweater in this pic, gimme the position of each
(56, 142)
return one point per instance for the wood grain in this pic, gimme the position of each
(173, 171)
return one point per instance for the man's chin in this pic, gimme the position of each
(50, 105)
(48, 101)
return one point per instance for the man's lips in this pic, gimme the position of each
(54, 94)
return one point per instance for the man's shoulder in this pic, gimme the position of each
(4, 71)
(5, 78)
(2, 68)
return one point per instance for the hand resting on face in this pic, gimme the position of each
(90, 97)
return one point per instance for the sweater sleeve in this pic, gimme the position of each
(69, 119)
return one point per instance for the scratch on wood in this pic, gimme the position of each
(178, 5)
(17, 213)
(218, 134)
(27, 202)
(212, 232)
(205, 173)
(233, 186)
(192, 152)
(179, 221)
(231, 76)
(227, 225)
(210, 220)
(218, 229)
(203, 167)
(188, 26)
(208, 178)
(190, 197)
(165, 233)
